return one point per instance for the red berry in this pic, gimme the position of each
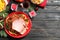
(20, 0)
(36, 8)
(14, 7)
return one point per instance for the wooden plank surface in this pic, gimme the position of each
(46, 25)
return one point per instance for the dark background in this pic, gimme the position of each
(46, 25)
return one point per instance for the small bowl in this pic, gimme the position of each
(25, 5)
(27, 31)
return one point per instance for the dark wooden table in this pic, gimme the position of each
(46, 25)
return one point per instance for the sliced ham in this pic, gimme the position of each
(18, 25)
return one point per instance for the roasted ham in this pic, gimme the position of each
(19, 25)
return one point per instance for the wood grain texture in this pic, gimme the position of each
(46, 25)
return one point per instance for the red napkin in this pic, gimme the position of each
(43, 4)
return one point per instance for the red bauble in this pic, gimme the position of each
(20, 0)
(14, 7)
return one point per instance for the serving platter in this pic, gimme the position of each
(29, 25)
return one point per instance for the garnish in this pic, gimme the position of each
(26, 20)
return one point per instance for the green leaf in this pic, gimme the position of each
(1, 33)
(1, 14)
(31, 7)
(5, 14)
(7, 26)
(1, 25)
(5, 35)
(7, 9)
(2, 22)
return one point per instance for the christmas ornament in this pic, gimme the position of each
(19, 0)
(3, 15)
(14, 7)
(43, 4)
(32, 13)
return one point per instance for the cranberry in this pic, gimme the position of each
(20, 0)
(36, 8)
(1, 17)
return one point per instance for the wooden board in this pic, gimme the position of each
(46, 25)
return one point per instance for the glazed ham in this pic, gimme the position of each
(19, 25)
